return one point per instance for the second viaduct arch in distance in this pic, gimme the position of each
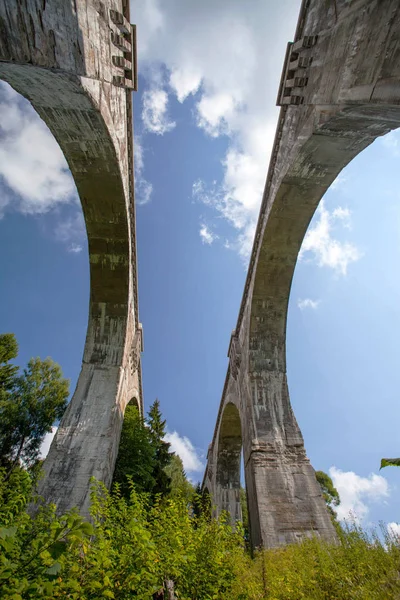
(340, 90)
(75, 63)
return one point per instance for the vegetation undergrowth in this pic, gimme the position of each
(133, 546)
(153, 532)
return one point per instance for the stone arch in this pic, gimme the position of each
(279, 463)
(340, 89)
(69, 80)
(228, 459)
(134, 402)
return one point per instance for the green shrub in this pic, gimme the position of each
(133, 546)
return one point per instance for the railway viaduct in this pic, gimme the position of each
(340, 90)
(75, 61)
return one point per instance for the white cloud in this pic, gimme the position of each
(143, 188)
(70, 230)
(184, 448)
(326, 250)
(357, 492)
(74, 248)
(231, 58)
(307, 303)
(207, 236)
(394, 530)
(339, 182)
(45, 447)
(33, 171)
(155, 112)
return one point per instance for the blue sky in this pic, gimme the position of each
(204, 123)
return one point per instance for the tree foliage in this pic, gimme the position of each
(131, 550)
(329, 492)
(157, 427)
(29, 404)
(390, 462)
(143, 455)
(135, 454)
(179, 486)
(134, 546)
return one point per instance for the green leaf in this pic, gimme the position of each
(54, 569)
(6, 532)
(390, 462)
(87, 528)
(57, 549)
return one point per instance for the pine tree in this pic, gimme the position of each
(163, 457)
(143, 454)
(136, 455)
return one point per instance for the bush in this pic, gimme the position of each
(132, 547)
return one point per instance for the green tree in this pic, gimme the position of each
(143, 455)
(136, 456)
(329, 492)
(180, 486)
(201, 503)
(245, 513)
(29, 405)
(162, 455)
(8, 351)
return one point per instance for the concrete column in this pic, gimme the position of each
(284, 498)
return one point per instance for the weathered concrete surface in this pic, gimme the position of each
(340, 90)
(60, 56)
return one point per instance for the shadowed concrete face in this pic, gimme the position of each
(62, 57)
(228, 465)
(340, 89)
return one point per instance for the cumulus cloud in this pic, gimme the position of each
(48, 438)
(394, 530)
(230, 58)
(307, 303)
(184, 448)
(155, 112)
(325, 249)
(206, 235)
(357, 492)
(34, 174)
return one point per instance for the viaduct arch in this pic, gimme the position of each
(340, 90)
(75, 63)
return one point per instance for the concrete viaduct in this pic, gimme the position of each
(340, 90)
(75, 61)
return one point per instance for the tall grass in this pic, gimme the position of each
(363, 565)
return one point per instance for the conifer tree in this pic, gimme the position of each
(143, 454)
(136, 456)
(163, 457)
